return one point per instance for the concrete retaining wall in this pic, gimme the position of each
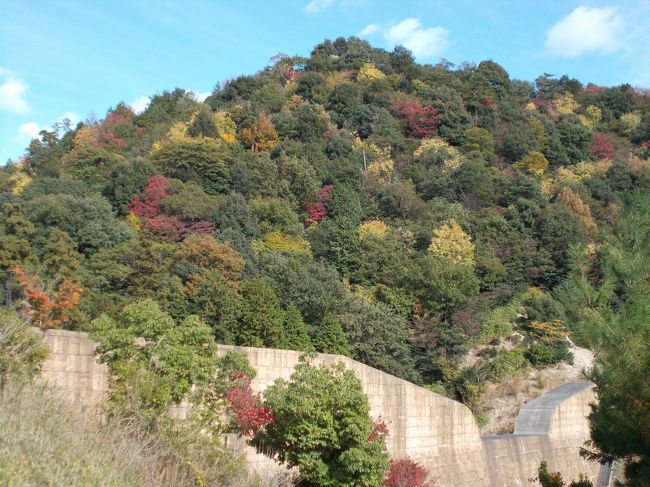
(434, 430)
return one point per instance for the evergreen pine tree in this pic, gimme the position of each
(61, 259)
(330, 337)
(295, 335)
(261, 319)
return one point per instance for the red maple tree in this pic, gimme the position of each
(405, 473)
(246, 407)
(147, 203)
(49, 309)
(602, 146)
(421, 121)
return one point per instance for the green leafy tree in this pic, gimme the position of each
(315, 288)
(575, 137)
(61, 259)
(380, 338)
(233, 212)
(15, 247)
(89, 220)
(554, 479)
(330, 338)
(153, 361)
(295, 335)
(126, 180)
(261, 318)
(558, 229)
(477, 140)
(203, 125)
(187, 160)
(322, 427)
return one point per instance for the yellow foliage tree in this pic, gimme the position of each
(176, 133)
(538, 129)
(293, 103)
(226, 127)
(19, 180)
(281, 242)
(565, 104)
(376, 228)
(372, 151)
(452, 244)
(261, 135)
(629, 122)
(134, 222)
(369, 73)
(205, 252)
(379, 173)
(419, 86)
(592, 116)
(573, 201)
(533, 163)
(440, 149)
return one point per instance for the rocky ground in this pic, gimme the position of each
(501, 402)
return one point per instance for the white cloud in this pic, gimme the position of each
(369, 30)
(12, 93)
(28, 131)
(200, 96)
(423, 42)
(140, 104)
(73, 117)
(586, 30)
(316, 6)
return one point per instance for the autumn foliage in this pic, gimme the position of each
(247, 407)
(317, 210)
(49, 308)
(379, 431)
(147, 203)
(167, 228)
(602, 146)
(405, 473)
(261, 135)
(421, 120)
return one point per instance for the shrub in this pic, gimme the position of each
(507, 363)
(21, 350)
(541, 353)
(405, 473)
(323, 427)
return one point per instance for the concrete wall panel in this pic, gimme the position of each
(439, 433)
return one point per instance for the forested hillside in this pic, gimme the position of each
(351, 202)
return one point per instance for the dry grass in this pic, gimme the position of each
(44, 441)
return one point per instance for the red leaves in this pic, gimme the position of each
(602, 147)
(421, 121)
(168, 229)
(405, 473)
(325, 193)
(379, 431)
(315, 212)
(147, 203)
(52, 309)
(247, 407)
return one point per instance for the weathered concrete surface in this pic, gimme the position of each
(434, 430)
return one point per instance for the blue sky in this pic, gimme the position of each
(71, 58)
